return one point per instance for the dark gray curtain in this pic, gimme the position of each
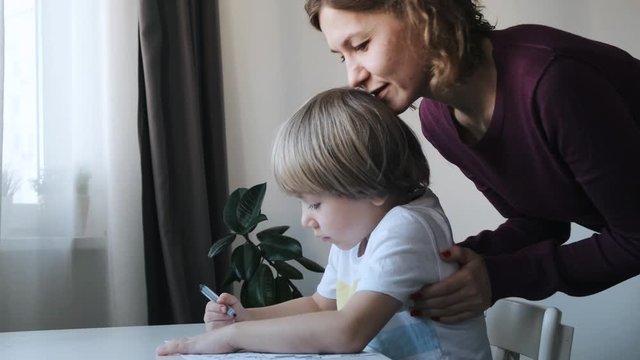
(184, 176)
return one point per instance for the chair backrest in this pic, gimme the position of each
(517, 327)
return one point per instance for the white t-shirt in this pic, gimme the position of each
(401, 256)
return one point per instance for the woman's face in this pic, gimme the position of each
(374, 47)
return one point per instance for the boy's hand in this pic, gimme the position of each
(215, 314)
(210, 342)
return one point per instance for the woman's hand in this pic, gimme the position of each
(463, 295)
(210, 342)
(215, 313)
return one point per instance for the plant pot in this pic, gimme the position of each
(5, 215)
(81, 214)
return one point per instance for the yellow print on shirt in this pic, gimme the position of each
(344, 292)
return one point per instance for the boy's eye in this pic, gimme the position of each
(314, 206)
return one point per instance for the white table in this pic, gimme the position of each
(133, 342)
(115, 343)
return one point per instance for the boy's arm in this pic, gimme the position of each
(348, 330)
(302, 305)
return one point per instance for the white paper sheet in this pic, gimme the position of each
(268, 356)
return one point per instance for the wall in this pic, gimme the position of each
(273, 60)
(59, 283)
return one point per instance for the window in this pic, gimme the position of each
(52, 124)
(21, 119)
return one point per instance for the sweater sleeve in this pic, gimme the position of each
(521, 254)
(596, 135)
(593, 131)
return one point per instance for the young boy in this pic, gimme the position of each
(362, 179)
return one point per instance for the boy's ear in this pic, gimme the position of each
(378, 200)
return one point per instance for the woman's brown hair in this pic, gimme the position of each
(452, 30)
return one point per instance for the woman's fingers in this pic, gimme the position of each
(464, 294)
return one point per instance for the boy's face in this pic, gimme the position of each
(341, 221)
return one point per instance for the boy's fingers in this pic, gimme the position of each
(174, 347)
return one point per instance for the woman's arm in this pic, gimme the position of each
(596, 129)
(595, 134)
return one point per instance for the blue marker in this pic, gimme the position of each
(214, 297)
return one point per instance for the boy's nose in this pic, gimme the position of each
(308, 221)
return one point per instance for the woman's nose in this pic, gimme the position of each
(356, 73)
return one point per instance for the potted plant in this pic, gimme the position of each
(47, 183)
(82, 179)
(10, 184)
(260, 265)
(64, 200)
(83, 176)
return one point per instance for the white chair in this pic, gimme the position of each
(517, 327)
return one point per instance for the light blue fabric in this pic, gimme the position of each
(417, 339)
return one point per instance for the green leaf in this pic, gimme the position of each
(244, 261)
(242, 213)
(278, 230)
(280, 247)
(230, 212)
(267, 286)
(295, 291)
(255, 221)
(287, 270)
(283, 291)
(310, 264)
(220, 244)
(247, 299)
(261, 287)
(248, 211)
(229, 279)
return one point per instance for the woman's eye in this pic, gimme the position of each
(315, 206)
(361, 46)
(341, 58)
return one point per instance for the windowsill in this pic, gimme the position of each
(30, 243)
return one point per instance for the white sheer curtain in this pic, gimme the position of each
(71, 229)
(1, 88)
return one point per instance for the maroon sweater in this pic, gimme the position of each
(563, 146)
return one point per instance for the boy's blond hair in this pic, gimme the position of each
(346, 142)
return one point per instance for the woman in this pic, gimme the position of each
(545, 123)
